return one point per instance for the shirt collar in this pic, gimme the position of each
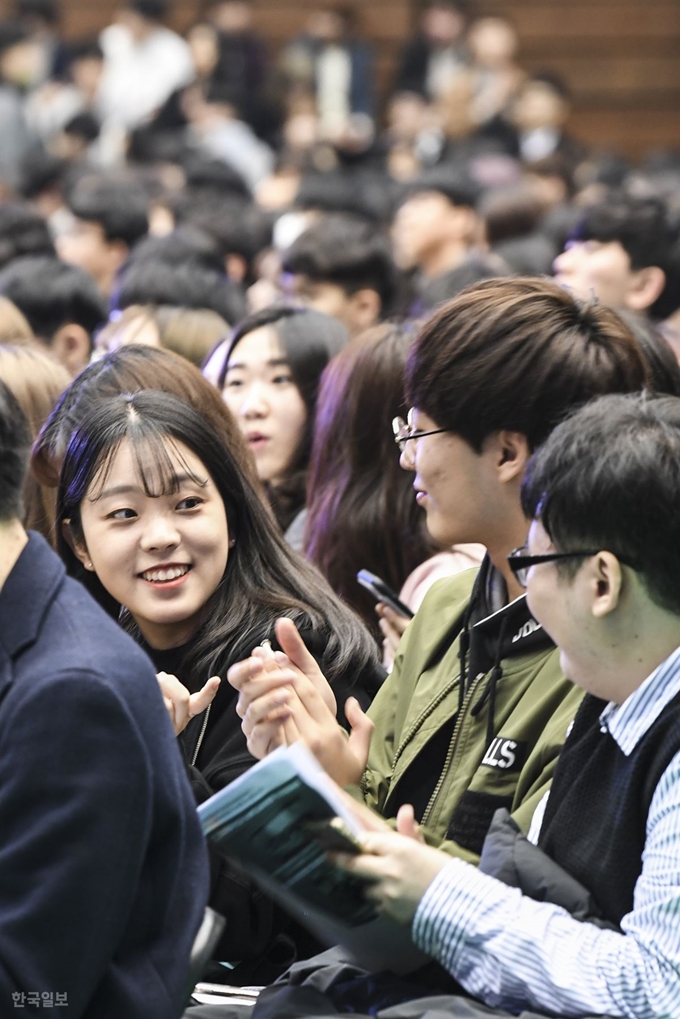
(628, 722)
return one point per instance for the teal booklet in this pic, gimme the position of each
(277, 822)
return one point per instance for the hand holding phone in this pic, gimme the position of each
(381, 592)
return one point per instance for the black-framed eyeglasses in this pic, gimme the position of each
(520, 563)
(404, 431)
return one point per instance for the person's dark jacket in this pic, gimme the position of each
(414, 65)
(103, 873)
(509, 856)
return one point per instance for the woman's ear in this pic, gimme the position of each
(79, 548)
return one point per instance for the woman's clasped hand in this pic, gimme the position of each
(285, 697)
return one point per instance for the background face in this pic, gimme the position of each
(260, 391)
(595, 269)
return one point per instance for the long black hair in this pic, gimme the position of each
(263, 579)
(309, 340)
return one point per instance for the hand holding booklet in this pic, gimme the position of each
(277, 822)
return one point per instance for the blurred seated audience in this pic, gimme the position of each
(539, 115)
(61, 303)
(23, 231)
(333, 65)
(436, 226)
(625, 252)
(109, 216)
(144, 62)
(431, 60)
(239, 230)
(216, 128)
(186, 284)
(190, 332)
(496, 76)
(342, 266)
(72, 93)
(474, 269)
(20, 61)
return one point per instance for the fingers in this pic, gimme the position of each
(407, 824)
(369, 820)
(292, 644)
(263, 686)
(301, 658)
(362, 731)
(270, 706)
(199, 702)
(393, 619)
(169, 703)
(269, 735)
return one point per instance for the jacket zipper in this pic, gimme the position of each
(452, 747)
(201, 735)
(420, 719)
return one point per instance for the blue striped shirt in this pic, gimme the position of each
(513, 952)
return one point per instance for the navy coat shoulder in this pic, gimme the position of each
(103, 869)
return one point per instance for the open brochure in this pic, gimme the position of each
(267, 822)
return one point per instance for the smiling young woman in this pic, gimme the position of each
(155, 510)
(154, 507)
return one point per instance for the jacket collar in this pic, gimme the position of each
(27, 594)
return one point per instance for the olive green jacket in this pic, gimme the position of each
(534, 707)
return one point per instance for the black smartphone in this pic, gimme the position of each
(381, 592)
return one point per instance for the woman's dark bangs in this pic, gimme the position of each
(159, 463)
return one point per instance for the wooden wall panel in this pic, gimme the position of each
(621, 58)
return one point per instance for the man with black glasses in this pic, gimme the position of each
(602, 569)
(476, 708)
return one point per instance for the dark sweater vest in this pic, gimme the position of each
(596, 816)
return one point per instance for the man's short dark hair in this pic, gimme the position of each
(41, 171)
(44, 10)
(456, 185)
(347, 251)
(52, 294)
(23, 231)
(86, 48)
(11, 34)
(213, 178)
(518, 354)
(15, 446)
(184, 246)
(339, 192)
(152, 10)
(609, 478)
(449, 284)
(649, 234)
(188, 285)
(120, 209)
(236, 227)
